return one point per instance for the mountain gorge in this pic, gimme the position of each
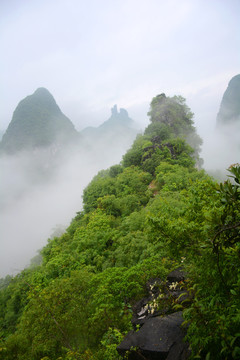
(152, 213)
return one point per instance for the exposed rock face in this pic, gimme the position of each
(37, 122)
(159, 338)
(229, 111)
(176, 275)
(161, 335)
(161, 293)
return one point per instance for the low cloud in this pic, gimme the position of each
(35, 201)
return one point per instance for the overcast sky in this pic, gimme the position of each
(93, 54)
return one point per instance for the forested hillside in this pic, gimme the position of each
(155, 211)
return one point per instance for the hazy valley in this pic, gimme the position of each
(131, 231)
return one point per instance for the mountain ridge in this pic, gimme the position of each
(38, 122)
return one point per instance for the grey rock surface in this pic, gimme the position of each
(159, 338)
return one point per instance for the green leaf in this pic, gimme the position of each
(208, 356)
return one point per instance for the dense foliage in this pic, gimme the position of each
(141, 219)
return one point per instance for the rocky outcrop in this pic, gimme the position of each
(159, 338)
(118, 120)
(159, 334)
(229, 111)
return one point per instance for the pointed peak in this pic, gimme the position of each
(41, 90)
(122, 112)
(42, 93)
(114, 110)
(235, 79)
(37, 122)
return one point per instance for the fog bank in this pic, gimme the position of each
(34, 202)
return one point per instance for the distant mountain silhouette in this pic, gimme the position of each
(37, 122)
(229, 111)
(112, 137)
(118, 124)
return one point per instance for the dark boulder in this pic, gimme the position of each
(159, 334)
(158, 338)
(176, 275)
(162, 295)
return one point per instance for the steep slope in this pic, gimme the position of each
(142, 218)
(37, 122)
(171, 128)
(229, 111)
